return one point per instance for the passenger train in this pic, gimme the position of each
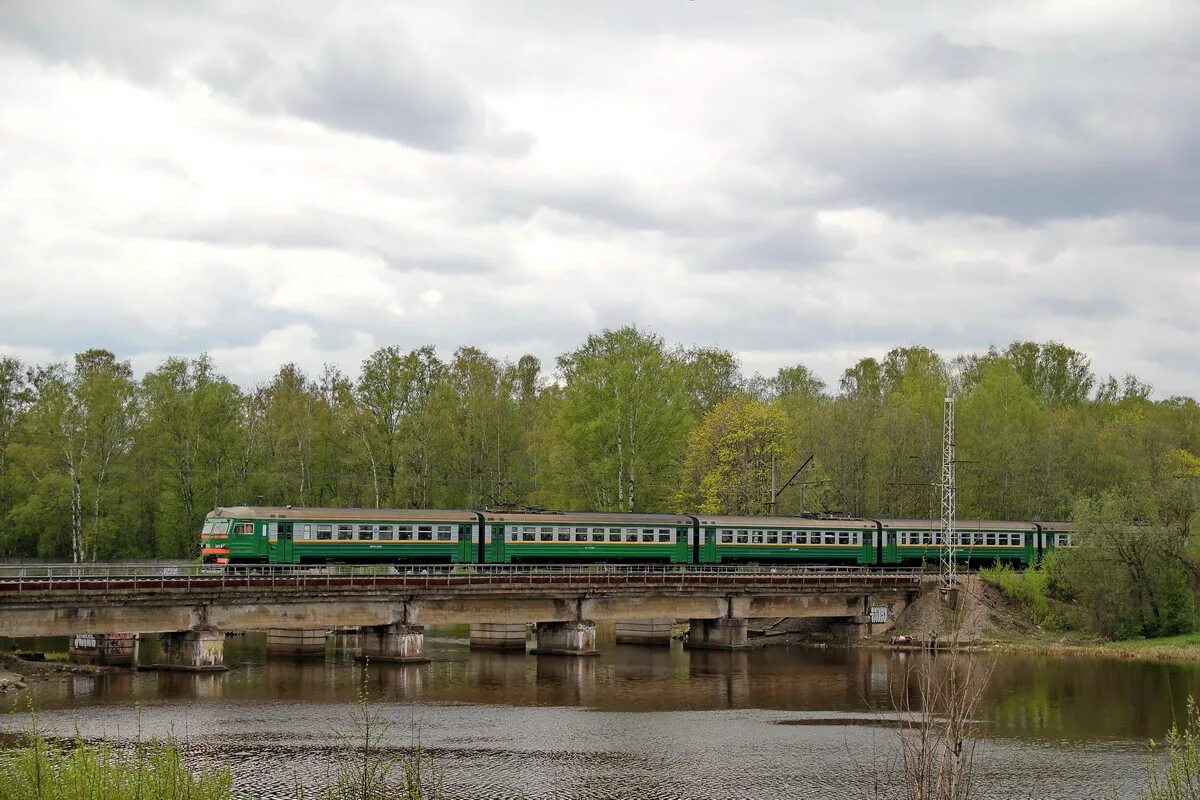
(288, 535)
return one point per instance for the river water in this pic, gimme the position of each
(784, 722)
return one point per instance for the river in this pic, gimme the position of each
(783, 722)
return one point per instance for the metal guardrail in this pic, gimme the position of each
(42, 578)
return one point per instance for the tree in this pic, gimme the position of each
(710, 376)
(728, 464)
(73, 440)
(1145, 589)
(1060, 375)
(394, 394)
(999, 427)
(14, 399)
(189, 434)
(621, 425)
(480, 418)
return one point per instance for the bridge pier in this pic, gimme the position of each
(298, 643)
(192, 651)
(575, 638)
(498, 636)
(644, 631)
(398, 644)
(724, 633)
(105, 649)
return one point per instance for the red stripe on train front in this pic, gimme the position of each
(214, 551)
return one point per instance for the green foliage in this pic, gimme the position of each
(96, 465)
(1029, 587)
(728, 465)
(621, 426)
(39, 769)
(1173, 771)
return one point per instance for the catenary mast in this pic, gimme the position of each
(948, 535)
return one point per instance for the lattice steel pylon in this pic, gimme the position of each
(948, 536)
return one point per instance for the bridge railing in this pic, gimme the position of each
(28, 578)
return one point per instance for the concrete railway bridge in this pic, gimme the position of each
(192, 607)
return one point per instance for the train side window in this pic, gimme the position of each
(243, 527)
(664, 535)
(843, 537)
(325, 532)
(365, 533)
(756, 537)
(990, 539)
(597, 534)
(647, 534)
(743, 536)
(787, 537)
(404, 533)
(772, 537)
(614, 534)
(564, 534)
(425, 533)
(444, 533)
(385, 533)
(272, 531)
(345, 532)
(581, 534)
(726, 536)
(308, 532)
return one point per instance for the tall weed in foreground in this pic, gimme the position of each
(371, 771)
(1174, 771)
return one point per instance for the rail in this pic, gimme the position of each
(31, 579)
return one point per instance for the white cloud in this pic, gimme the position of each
(311, 183)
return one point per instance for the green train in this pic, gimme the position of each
(290, 535)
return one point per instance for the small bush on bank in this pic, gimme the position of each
(1028, 587)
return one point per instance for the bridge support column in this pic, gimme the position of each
(192, 651)
(105, 649)
(498, 636)
(644, 631)
(717, 634)
(576, 638)
(298, 643)
(852, 629)
(399, 644)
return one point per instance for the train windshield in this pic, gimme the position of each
(207, 527)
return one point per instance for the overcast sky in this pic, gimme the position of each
(310, 181)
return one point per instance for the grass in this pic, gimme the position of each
(41, 769)
(1185, 647)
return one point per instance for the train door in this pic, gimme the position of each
(283, 551)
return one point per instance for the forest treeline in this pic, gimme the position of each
(96, 463)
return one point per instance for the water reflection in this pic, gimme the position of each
(663, 720)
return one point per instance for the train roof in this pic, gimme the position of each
(587, 517)
(1057, 526)
(786, 522)
(959, 525)
(302, 512)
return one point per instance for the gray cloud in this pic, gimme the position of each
(373, 87)
(754, 176)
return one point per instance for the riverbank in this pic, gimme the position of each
(985, 618)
